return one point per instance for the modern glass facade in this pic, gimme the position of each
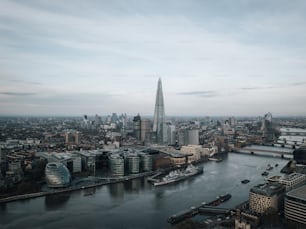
(133, 164)
(147, 161)
(159, 124)
(116, 165)
(57, 175)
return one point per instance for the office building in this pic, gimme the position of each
(159, 124)
(133, 162)
(299, 155)
(116, 162)
(295, 205)
(289, 181)
(146, 162)
(193, 137)
(137, 127)
(264, 196)
(3, 161)
(192, 152)
(145, 130)
(171, 134)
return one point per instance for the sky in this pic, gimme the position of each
(229, 58)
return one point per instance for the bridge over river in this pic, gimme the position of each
(265, 150)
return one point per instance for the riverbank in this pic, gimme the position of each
(98, 181)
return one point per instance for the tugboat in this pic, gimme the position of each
(245, 181)
(265, 173)
(269, 167)
(178, 175)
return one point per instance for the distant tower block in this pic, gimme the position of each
(159, 124)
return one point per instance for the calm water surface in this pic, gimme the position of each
(137, 204)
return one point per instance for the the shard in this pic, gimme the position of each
(159, 124)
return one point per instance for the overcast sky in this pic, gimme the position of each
(97, 57)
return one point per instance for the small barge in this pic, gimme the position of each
(196, 210)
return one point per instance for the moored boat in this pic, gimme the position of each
(178, 175)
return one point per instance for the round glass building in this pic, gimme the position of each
(57, 175)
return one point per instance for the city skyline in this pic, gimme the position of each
(214, 58)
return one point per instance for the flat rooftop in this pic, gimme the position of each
(269, 189)
(299, 193)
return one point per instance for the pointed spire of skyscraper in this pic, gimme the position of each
(159, 124)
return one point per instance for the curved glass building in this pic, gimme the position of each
(147, 161)
(57, 175)
(116, 165)
(133, 163)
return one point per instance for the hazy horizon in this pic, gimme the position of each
(215, 58)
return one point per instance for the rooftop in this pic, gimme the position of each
(268, 189)
(299, 193)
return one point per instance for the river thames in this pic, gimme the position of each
(136, 203)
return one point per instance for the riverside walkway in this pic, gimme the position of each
(96, 181)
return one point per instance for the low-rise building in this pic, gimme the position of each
(193, 152)
(290, 181)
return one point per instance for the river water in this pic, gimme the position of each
(136, 204)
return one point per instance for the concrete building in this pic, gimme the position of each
(159, 124)
(264, 196)
(289, 181)
(193, 152)
(182, 137)
(193, 137)
(295, 205)
(242, 224)
(73, 137)
(209, 151)
(177, 159)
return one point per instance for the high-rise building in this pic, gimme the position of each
(137, 127)
(2, 161)
(145, 129)
(171, 134)
(159, 124)
(193, 137)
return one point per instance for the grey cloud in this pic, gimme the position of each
(250, 88)
(17, 93)
(206, 94)
(298, 83)
(25, 81)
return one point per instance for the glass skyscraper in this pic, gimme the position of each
(159, 124)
